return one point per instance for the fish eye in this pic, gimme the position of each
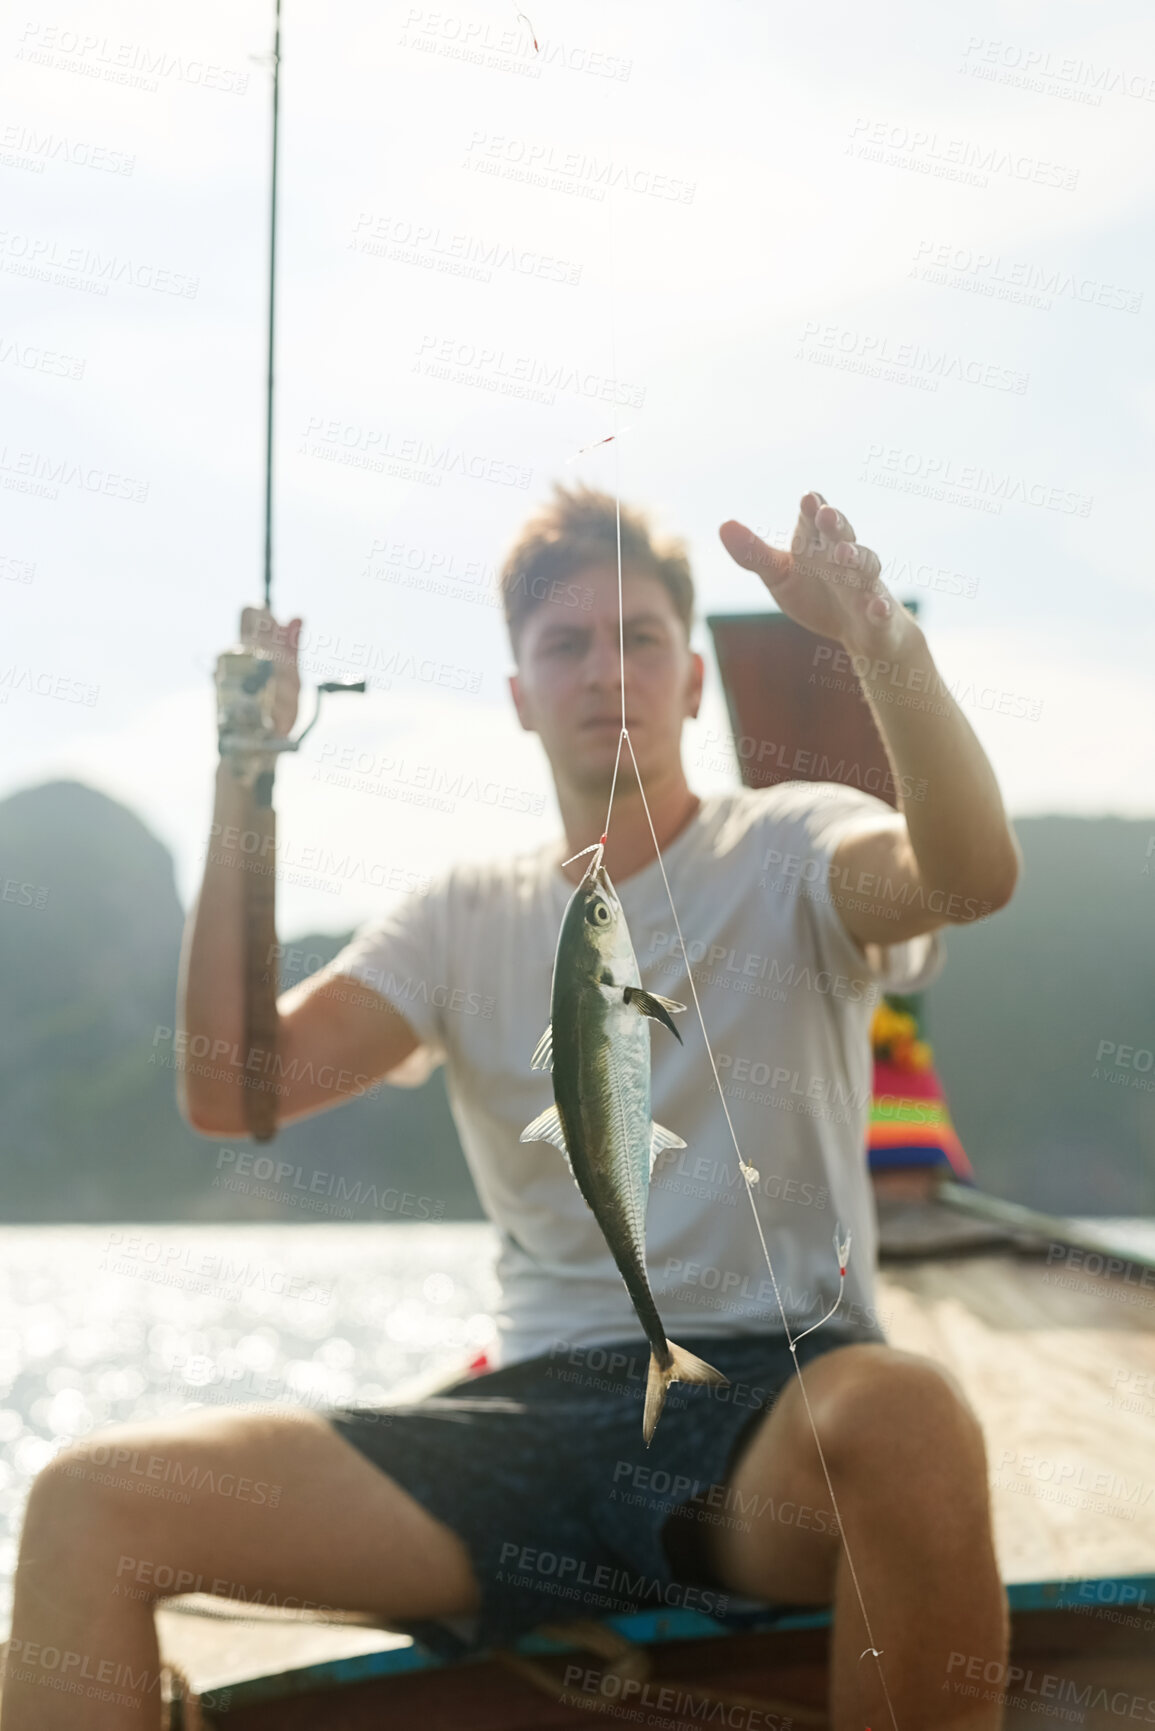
(598, 914)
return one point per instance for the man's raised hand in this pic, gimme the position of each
(260, 631)
(827, 582)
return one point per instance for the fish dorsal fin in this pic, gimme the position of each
(546, 1127)
(661, 1138)
(653, 1004)
(543, 1052)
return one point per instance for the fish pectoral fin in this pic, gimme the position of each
(546, 1127)
(661, 1138)
(543, 1052)
(653, 1004)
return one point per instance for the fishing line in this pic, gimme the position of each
(749, 1173)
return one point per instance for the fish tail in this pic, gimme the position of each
(682, 1367)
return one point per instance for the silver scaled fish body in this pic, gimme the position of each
(597, 1045)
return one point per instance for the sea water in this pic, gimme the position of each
(103, 1324)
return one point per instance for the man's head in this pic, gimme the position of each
(559, 586)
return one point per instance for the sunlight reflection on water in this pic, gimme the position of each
(102, 1324)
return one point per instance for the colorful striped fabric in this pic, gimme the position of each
(910, 1123)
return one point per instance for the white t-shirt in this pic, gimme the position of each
(787, 998)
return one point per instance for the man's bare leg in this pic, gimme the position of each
(908, 1465)
(339, 1532)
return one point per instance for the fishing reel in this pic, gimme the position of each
(246, 732)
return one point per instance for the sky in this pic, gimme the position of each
(905, 259)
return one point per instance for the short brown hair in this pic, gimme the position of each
(579, 527)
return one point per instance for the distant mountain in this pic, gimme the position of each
(90, 932)
(1030, 1005)
(1043, 1022)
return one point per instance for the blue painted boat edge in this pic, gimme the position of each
(1117, 1591)
(654, 1627)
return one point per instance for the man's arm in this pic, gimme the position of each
(951, 856)
(955, 858)
(335, 1037)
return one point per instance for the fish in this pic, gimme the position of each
(597, 1046)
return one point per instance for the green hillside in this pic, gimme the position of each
(1028, 1000)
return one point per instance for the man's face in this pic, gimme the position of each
(567, 687)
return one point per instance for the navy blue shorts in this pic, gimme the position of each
(541, 1469)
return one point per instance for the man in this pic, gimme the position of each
(526, 1495)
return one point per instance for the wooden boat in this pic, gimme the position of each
(1047, 1323)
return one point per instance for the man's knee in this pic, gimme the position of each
(86, 1489)
(888, 1410)
(73, 1484)
(64, 1523)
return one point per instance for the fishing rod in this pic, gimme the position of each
(248, 741)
